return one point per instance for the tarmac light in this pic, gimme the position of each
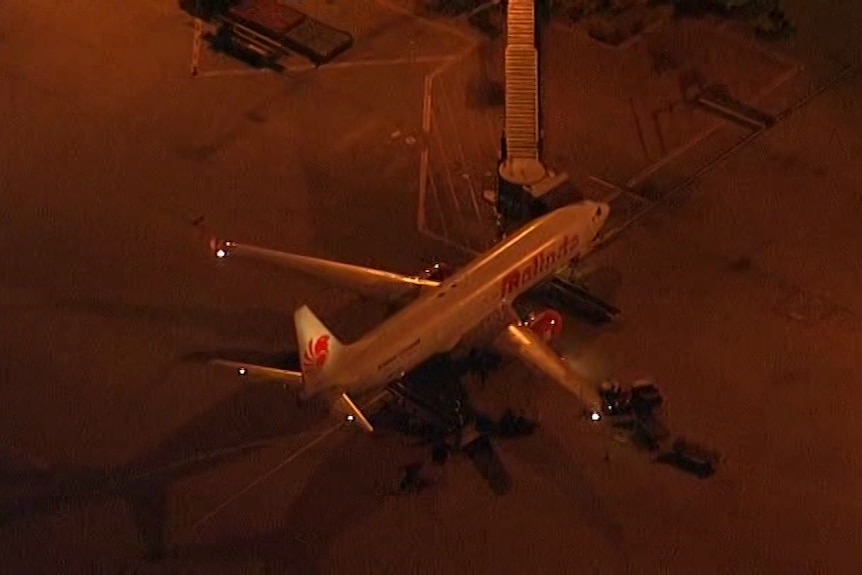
(220, 253)
(241, 371)
(595, 416)
(350, 418)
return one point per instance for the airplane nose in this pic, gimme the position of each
(600, 216)
(601, 212)
(604, 210)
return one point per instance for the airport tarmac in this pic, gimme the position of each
(738, 295)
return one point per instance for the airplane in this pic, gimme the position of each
(472, 308)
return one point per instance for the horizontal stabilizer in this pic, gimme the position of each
(346, 406)
(291, 379)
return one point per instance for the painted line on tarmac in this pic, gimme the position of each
(435, 193)
(641, 176)
(472, 42)
(675, 192)
(263, 477)
(196, 47)
(352, 137)
(459, 149)
(347, 64)
(233, 72)
(449, 177)
(306, 67)
(426, 129)
(423, 178)
(449, 242)
(388, 62)
(728, 31)
(425, 21)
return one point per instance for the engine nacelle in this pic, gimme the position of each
(437, 272)
(547, 323)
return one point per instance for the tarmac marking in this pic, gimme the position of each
(263, 477)
(307, 67)
(845, 73)
(464, 164)
(424, 172)
(423, 177)
(369, 63)
(435, 192)
(233, 72)
(473, 201)
(726, 29)
(444, 61)
(479, 137)
(196, 46)
(430, 23)
(459, 148)
(450, 243)
(640, 131)
(641, 176)
(495, 133)
(353, 136)
(436, 137)
(388, 62)
(426, 128)
(614, 190)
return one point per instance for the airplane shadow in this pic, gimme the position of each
(244, 323)
(52, 491)
(242, 423)
(348, 487)
(483, 454)
(445, 376)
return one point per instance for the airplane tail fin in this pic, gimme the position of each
(318, 350)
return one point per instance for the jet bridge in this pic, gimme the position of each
(521, 165)
(526, 189)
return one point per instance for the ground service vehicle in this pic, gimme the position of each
(266, 30)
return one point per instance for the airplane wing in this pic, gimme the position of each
(377, 284)
(521, 342)
(288, 378)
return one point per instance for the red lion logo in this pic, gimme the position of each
(315, 353)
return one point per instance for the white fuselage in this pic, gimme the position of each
(480, 293)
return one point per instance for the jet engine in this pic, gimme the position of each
(437, 272)
(547, 323)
